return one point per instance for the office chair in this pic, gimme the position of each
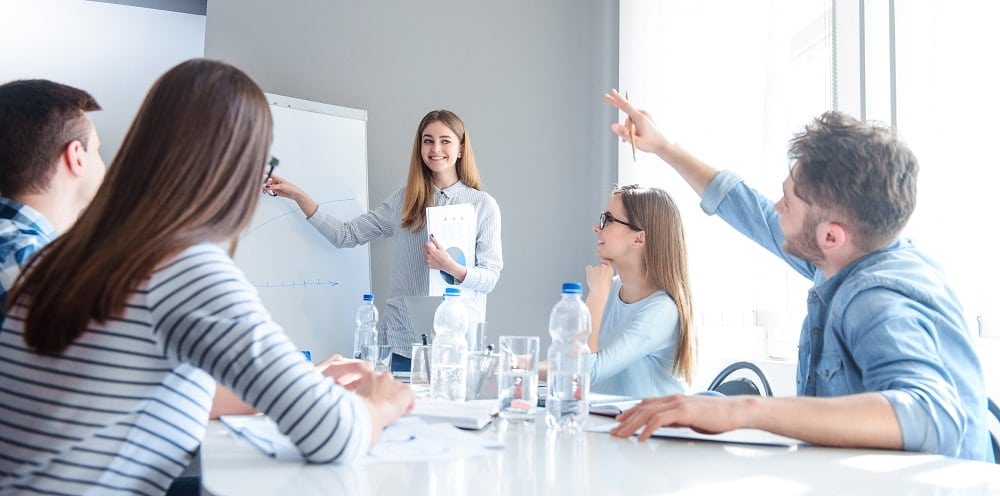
(994, 425)
(740, 385)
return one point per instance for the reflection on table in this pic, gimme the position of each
(537, 462)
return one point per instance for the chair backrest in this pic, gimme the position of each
(994, 428)
(741, 385)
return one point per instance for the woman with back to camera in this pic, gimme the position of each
(642, 318)
(443, 171)
(108, 379)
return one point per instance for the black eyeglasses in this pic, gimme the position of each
(271, 164)
(607, 217)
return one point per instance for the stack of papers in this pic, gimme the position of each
(409, 439)
(474, 414)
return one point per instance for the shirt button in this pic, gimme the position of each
(815, 331)
(826, 372)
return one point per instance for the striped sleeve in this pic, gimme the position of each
(205, 312)
(366, 227)
(483, 276)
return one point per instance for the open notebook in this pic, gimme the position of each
(739, 436)
(410, 439)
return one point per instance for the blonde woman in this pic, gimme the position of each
(643, 338)
(443, 171)
(117, 332)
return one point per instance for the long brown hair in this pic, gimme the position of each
(419, 185)
(665, 260)
(188, 171)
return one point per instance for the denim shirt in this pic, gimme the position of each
(886, 323)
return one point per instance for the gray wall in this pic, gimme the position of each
(526, 76)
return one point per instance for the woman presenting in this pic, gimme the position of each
(443, 171)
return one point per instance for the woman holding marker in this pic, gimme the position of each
(108, 381)
(443, 171)
(643, 338)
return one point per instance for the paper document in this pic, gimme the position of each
(741, 436)
(410, 439)
(474, 414)
(454, 227)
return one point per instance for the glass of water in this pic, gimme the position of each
(379, 356)
(518, 384)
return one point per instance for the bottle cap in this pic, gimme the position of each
(572, 288)
(452, 292)
(368, 297)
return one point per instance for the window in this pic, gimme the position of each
(732, 81)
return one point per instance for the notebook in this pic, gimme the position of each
(610, 405)
(474, 414)
(739, 436)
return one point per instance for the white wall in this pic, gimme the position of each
(526, 76)
(114, 52)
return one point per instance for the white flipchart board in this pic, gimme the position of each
(310, 287)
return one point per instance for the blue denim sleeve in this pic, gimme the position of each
(897, 350)
(751, 214)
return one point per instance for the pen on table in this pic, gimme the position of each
(631, 131)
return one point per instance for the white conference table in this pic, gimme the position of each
(535, 463)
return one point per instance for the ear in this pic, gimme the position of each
(640, 239)
(72, 158)
(832, 236)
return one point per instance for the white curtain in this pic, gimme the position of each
(731, 81)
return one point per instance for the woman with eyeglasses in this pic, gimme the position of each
(642, 336)
(117, 332)
(443, 171)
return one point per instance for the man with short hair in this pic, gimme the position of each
(50, 167)
(885, 356)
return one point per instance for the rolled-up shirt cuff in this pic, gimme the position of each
(915, 426)
(472, 279)
(717, 190)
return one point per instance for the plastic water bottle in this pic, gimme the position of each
(566, 406)
(366, 332)
(449, 355)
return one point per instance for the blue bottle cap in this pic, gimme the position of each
(368, 297)
(452, 292)
(572, 288)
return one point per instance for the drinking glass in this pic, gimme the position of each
(518, 385)
(379, 356)
(420, 365)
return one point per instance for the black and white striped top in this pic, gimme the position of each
(409, 274)
(124, 408)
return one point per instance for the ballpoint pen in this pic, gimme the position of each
(631, 132)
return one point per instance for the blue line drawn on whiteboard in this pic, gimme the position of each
(456, 255)
(295, 284)
(291, 210)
